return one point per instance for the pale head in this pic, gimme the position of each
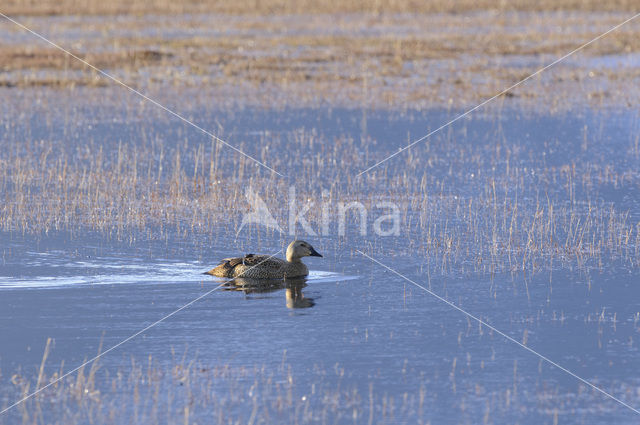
(299, 249)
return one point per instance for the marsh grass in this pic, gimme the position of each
(455, 214)
(250, 7)
(386, 60)
(184, 390)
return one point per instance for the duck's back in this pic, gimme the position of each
(258, 267)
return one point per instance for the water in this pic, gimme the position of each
(370, 342)
(381, 330)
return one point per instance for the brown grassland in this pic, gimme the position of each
(260, 7)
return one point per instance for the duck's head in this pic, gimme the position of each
(299, 249)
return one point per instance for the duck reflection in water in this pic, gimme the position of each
(293, 289)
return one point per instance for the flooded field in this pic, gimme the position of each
(524, 215)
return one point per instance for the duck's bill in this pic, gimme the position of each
(315, 253)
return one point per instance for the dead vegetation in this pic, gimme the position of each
(401, 61)
(21, 58)
(426, 60)
(460, 217)
(93, 7)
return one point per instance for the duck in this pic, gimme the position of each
(254, 266)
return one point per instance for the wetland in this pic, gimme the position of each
(524, 213)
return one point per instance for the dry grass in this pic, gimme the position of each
(423, 60)
(365, 60)
(93, 7)
(15, 58)
(458, 220)
(187, 391)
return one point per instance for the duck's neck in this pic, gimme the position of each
(293, 258)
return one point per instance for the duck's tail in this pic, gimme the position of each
(221, 270)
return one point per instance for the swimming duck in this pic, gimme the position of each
(264, 267)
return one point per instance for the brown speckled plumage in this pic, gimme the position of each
(264, 267)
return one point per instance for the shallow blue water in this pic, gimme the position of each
(380, 329)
